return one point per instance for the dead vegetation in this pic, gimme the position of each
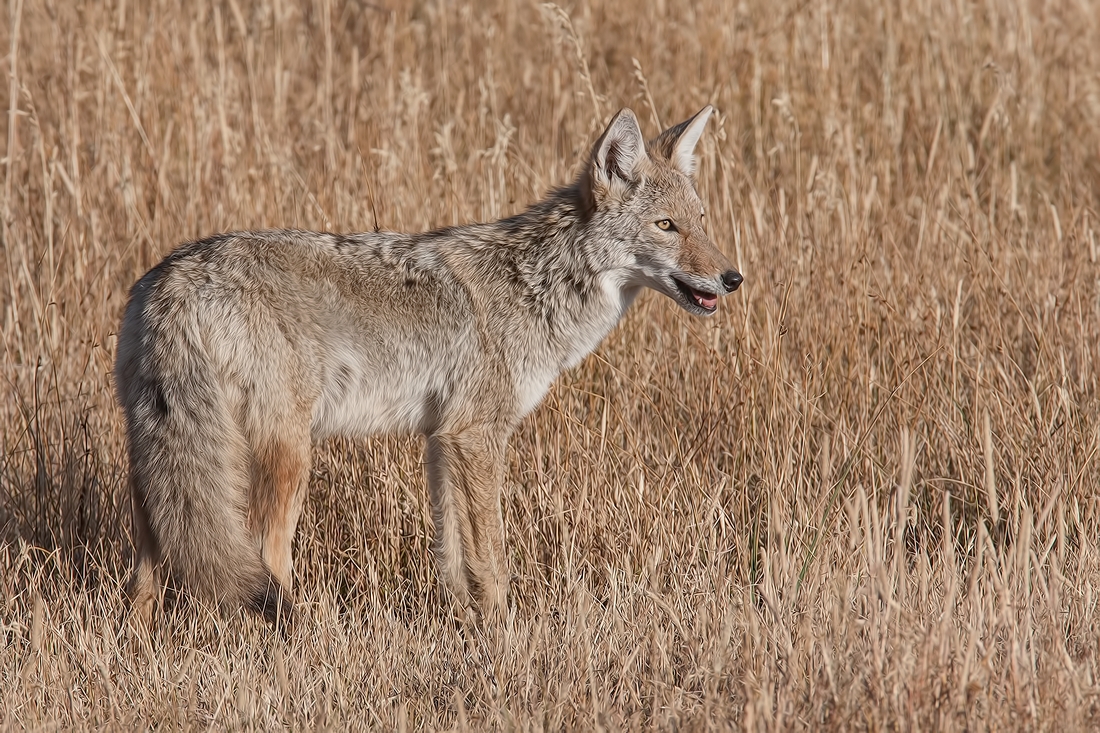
(862, 496)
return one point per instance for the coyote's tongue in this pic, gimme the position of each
(705, 300)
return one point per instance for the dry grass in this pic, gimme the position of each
(863, 496)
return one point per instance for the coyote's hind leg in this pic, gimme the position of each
(144, 583)
(280, 479)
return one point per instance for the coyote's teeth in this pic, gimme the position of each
(704, 300)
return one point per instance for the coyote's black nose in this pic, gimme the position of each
(732, 280)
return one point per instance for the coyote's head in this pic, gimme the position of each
(643, 196)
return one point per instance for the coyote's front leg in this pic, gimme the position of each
(465, 471)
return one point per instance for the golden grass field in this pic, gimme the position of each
(863, 496)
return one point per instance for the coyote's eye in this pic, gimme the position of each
(666, 225)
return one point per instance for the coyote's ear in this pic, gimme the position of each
(619, 154)
(678, 143)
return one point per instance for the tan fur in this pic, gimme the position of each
(280, 472)
(238, 351)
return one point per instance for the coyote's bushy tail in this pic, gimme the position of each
(190, 465)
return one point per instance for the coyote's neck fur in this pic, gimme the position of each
(552, 265)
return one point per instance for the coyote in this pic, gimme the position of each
(238, 351)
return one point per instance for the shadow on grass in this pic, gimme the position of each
(59, 492)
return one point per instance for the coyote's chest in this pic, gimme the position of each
(572, 339)
(592, 323)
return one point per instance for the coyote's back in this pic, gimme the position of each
(238, 351)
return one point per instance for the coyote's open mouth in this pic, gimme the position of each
(708, 302)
